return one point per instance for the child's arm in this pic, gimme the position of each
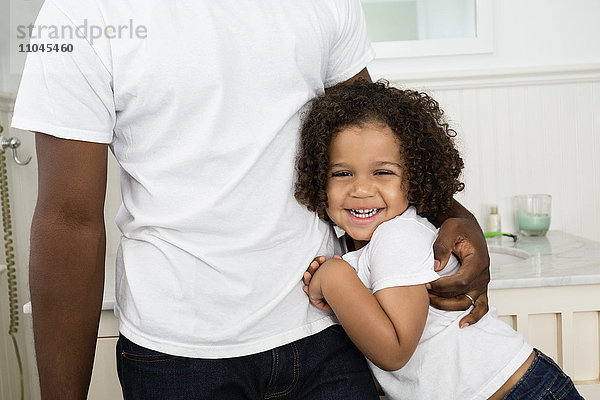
(386, 327)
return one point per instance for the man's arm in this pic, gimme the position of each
(66, 271)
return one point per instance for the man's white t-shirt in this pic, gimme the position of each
(200, 102)
(449, 362)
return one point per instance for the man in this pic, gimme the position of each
(201, 108)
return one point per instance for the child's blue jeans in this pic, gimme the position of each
(322, 366)
(544, 380)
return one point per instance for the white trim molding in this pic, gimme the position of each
(499, 77)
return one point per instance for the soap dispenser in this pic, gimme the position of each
(493, 224)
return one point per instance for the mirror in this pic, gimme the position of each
(412, 28)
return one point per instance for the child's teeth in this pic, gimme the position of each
(364, 213)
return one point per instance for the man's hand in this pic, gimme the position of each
(464, 238)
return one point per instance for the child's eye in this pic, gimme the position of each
(340, 173)
(384, 172)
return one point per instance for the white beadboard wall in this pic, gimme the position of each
(520, 131)
(9, 372)
(534, 130)
(22, 189)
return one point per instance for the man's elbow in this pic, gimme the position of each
(67, 212)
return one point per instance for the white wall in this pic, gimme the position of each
(526, 33)
(4, 46)
(13, 13)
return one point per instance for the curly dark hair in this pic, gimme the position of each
(432, 164)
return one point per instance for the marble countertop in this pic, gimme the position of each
(557, 259)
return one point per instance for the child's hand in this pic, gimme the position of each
(312, 286)
(315, 294)
(312, 268)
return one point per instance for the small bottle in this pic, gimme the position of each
(493, 224)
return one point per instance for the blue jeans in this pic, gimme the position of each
(322, 366)
(544, 380)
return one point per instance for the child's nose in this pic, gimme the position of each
(362, 188)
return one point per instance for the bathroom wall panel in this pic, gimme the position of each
(22, 184)
(9, 375)
(510, 320)
(545, 331)
(586, 326)
(530, 132)
(104, 382)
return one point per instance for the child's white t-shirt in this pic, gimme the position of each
(200, 101)
(449, 362)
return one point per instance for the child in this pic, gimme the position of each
(377, 162)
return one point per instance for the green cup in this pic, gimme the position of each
(532, 213)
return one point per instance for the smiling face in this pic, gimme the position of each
(365, 185)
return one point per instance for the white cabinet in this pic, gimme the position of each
(105, 383)
(561, 321)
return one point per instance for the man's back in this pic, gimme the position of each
(200, 108)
